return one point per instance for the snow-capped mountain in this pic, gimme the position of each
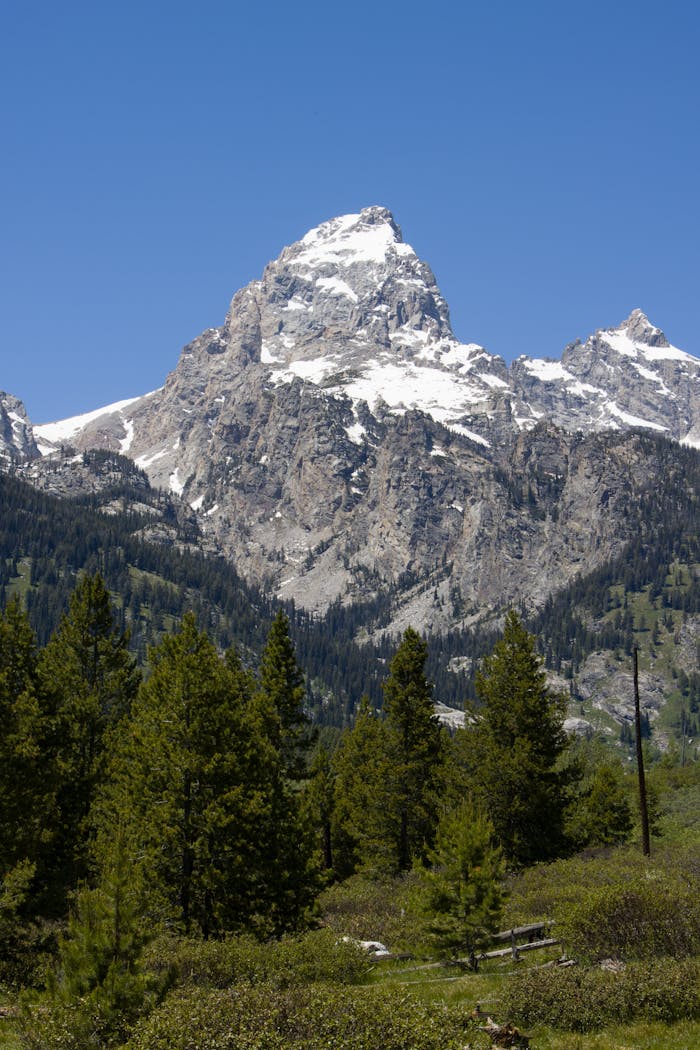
(623, 377)
(333, 433)
(351, 311)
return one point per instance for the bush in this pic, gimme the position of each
(78, 1025)
(314, 1017)
(377, 909)
(316, 956)
(643, 920)
(581, 1000)
(551, 890)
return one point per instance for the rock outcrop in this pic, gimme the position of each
(17, 445)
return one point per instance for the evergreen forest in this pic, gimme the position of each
(188, 860)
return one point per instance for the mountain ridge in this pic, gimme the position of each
(334, 437)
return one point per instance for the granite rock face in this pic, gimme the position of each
(17, 445)
(336, 441)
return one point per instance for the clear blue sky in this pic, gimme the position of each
(543, 157)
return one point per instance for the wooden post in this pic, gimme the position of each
(643, 811)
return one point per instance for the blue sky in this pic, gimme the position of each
(543, 158)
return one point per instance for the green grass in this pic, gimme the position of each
(468, 990)
(683, 1036)
(20, 584)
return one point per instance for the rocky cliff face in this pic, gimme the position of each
(17, 444)
(336, 440)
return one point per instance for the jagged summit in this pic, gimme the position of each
(363, 237)
(640, 330)
(350, 278)
(637, 337)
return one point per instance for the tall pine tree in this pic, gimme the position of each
(519, 743)
(25, 780)
(88, 678)
(282, 690)
(360, 837)
(414, 752)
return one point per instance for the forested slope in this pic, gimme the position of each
(150, 555)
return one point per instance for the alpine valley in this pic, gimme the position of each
(341, 449)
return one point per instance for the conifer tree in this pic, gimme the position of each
(319, 799)
(519, 744)
(414, 752)
(285, 865)
(98, 987)
(200, 790)
(462, 888)
(606, 815)
(361, 766)
(25, 780)
(89, 678)
(282, 689)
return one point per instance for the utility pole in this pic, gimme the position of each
(683, 732)
(643, 811)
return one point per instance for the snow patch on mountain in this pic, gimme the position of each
(64, 429)
(622, 344)
(63, 432)
(349, 240)
(546, 371)
(630, 420)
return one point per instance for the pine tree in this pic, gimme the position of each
(462, 889)
(89, 678)
(98, 988)
(359, 828)
(282, 688)
(602, 812)
(606, 811)
(519, 743)
(200, 790)
(414, 752)
(319, 800)
(25, 780)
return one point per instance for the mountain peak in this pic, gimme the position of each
(366, 237)
(639, 329)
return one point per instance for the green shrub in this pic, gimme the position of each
(372, 909)
(316, 956)
(582, 1000)
(646, 919)
(550, 890)
(314, 1017)
(78, 1025)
